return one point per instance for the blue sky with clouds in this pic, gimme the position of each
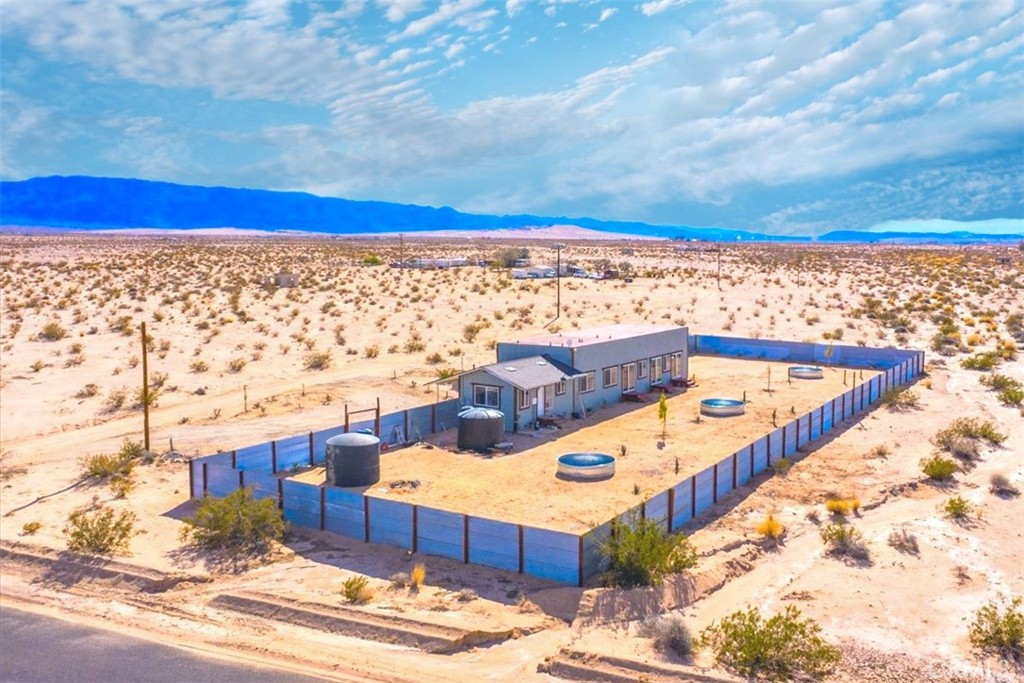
(784, 117)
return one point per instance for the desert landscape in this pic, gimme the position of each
(233, 361)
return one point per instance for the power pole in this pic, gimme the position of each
(719, 267)
(145, 391)
(401, 253)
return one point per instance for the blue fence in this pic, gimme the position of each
(554, 555)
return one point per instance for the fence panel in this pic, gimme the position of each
(682, 511)
(657, 508)
(494, 544)
(293, 453)
(390, 522)
(392, 429)
(724, 483)
(301, 503)
(705, 489)
(320, 443)
(264, 484)
(196, 477)
(344, 512)
(789, 431)
(254, 458)
(221, 480)
(816, 430)
(826, 417)
(744, 472)
(595, 561)
(551, 555)
(762, 454)
(440, 533)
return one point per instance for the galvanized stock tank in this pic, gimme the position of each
(353, 459)
(480, 428)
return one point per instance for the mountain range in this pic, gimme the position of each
(82, 203)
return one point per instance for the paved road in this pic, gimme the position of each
(38, 649)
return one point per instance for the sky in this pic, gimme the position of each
(778, 117)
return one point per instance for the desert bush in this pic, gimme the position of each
(998, 382)
(999, 631)
(1011, 396)
(969, 428)
(899, 398)
(418, 576)
(782, 466)
(435, 359)
(781, 648)
(100, 531)
(399, 580)
(357, 590)
(837, 506)
(52, 331)
(88, 391)
(105, 466)
(843, 540)
(904, 541)
(642, 553)
(770, 527)
(466, 595)
(939, 468)
(237, 523)
(121, 486)
(371, 351)
(669, 633)
(30, 528)
(198, 366)
(981, 361)
(1000, 485)
(957, 508)
(317, 360)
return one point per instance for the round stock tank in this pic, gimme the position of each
(353, 459)
(806, 372)
(586, 466)
(480, 428)
(722, 407)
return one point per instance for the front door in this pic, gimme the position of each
(540, 402)
(629, 377)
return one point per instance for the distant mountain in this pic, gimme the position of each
(86, 203)
(958, 237)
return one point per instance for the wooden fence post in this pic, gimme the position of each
(671, 507)
(521, 563)
(323, 508)
(312, 459)
(273, 457)
(366, 518)
(204, 480)
(693, 497)
(415, 528)
(465, 539)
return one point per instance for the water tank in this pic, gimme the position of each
(480, 428)
(353, 459)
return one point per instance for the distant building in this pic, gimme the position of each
(281, 280)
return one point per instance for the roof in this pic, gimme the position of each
(531, 373)
(595, 335)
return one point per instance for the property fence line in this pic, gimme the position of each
(559, 556)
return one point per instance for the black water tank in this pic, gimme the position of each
(353, 460)
(480, 428)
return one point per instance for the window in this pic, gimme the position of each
(641, 368)
(610, 376)
(587, 382)
(629, 377)
(560, 387)
(677, 364)
(524, 400)
(656, 369)
(487, 396)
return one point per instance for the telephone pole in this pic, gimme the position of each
(145, 391)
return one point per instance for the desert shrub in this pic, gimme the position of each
(998, 382)
(842, 540)
(121, 486)
(669, 633)
(115, 400)
(939, 468)
(782, 466)
(643, 553)
(1000, 485)
(999, 632)
(399, 580)
(106, 466)
(236, 364)
(100, 531)
(1011, 396)
(357, 590)
(904, 541)
(30, 528)
(981, 361)
(837, 506)
(957, 508)
(198, 366)
(969, 428)
(435, 359)
(780, 648)
(899, 398)
(88, 391)
(771, 527)
(238, 523)
(466, 595)
(470, 331)
(418, 576)
(52, 331)
(317, 360)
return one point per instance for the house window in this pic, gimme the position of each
(487, 396)
(641, 369)
(656, 369)
(587, 382)
(629, 377)
(610, 376)
(677, 364)
(560, 387)
(524, 400)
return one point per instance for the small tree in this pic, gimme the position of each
(777, 649)
(998, 632)
(237, 523)
(100, 531)
(642, 553)
(663, 414)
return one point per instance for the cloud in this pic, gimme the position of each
(397, 10)
(658, 6)
(514, 7)
(607, 13)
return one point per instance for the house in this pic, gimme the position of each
(541, 271)
(281, 280)
(572, 373)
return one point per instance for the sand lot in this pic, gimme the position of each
(233, 363)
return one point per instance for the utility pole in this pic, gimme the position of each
(719, 266)
(401, 253)
(558, 247)
(145, 391)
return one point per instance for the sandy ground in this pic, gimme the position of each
(231, 360)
